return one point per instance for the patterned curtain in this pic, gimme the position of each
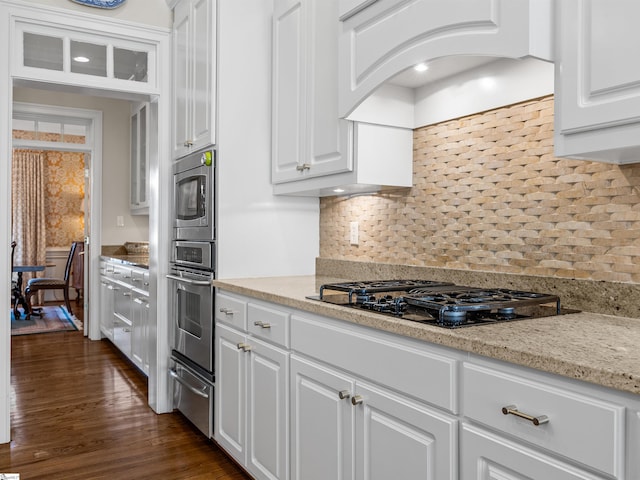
(28, 208)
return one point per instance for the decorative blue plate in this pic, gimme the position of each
(100, 3)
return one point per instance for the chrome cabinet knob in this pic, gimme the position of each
(342, 394)
(356, 400)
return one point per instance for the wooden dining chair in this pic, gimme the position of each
(15, 291)
(35, 285)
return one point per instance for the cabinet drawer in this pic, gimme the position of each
(585, 429)
(388, 360)
(489, 456)
(232, 311)
(122, 274)
(140, 278)
(268, 323)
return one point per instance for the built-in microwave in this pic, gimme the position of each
(193, 196)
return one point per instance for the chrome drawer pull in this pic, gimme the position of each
(342, 394)
(244, 347)
(262, 324)
(226, 311)
(513, 410)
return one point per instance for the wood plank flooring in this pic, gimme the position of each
(79, 412)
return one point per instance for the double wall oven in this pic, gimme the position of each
(192, 270)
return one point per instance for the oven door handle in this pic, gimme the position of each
(202, 283)
(191, 388)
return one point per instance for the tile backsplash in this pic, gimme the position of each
(488, 195)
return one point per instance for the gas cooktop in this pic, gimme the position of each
(441, 303)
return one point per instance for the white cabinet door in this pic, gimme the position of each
(194, 78)
(309, 139)
(321, 422)
(486, 456)
(139, 159)
(251, 408)
(140, 324)
(288, 101)
(203, 93)
(267, 411)
(106, 308)
(397, 438)
(182, 26)
(230, 405)
(598, 80)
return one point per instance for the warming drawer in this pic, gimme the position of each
(193, 397)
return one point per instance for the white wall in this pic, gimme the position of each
(115, 160)
(259, 234)
(149, 12)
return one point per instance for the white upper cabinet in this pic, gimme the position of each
(139, 159)
(314, 151)
(194, 76)
(388, 36)
(598, 80)
(309, 139)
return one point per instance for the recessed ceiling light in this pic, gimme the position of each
(488, 83)
(421, 67)
(80, 59)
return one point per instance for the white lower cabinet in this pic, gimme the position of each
(124, 310)
(106, 308)
(486, 456)
(251, 408)
(322, 422)
(585, 429)
(140, 330)
(361, 404)
(345, 428)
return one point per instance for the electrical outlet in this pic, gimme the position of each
(353, 233)
(119, 221)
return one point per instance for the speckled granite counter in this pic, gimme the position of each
(141, 261)
(596, 348)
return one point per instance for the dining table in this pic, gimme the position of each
(21, 300)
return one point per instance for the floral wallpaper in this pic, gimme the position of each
(65, 194)
(64, 185)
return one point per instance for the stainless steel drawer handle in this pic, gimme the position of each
(202, 283)
(356, 400)
(226, 311)
(244, 347)
(303, 167)
(513, 410)
(342, 394)
(179, 379)
(262, 324)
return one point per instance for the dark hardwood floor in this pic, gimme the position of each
(79, 412)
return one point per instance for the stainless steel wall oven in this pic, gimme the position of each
(193, 266)
(193, 196)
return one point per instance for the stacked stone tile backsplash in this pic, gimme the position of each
(490, 196)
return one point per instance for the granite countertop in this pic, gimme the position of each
(592, 347)
(141, 261)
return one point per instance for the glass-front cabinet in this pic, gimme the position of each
(70, 56)
(139, 160)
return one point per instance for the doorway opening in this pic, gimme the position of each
(65, 142)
